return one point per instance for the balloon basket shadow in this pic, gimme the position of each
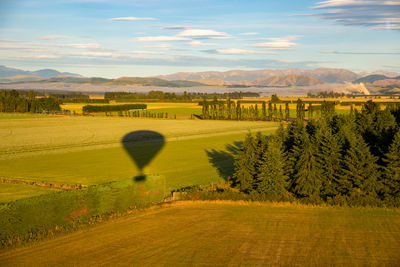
(143, 177)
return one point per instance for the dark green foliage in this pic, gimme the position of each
(377, 127)
(245, 166)
(300, 110)
(110, 108)
(328, 159)
(12, 101)
(248, 161)
(166, 96)
(345, 160)
(36, 217)
(275, 99)
(272, 180)
(391, 171)
(359, 172)
(306, 178)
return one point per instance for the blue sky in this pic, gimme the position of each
(143, 38)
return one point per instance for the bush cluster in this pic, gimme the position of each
(34, 218)
(111, 108)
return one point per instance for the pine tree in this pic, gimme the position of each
(359, 171)
(391, 174)
(310, 111)
(271, 180)
(245, 166)
(287, 111)
(269, 111)
(264, 111)
(328, 159)
(306, 180)
(300, 110)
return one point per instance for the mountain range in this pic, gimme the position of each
(233, 78)
(321, 74)
(43, 73)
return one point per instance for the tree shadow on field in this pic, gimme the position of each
(142, 146)
(224, 160)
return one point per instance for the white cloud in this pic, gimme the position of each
(161, 39)
(198, 43)
(40, 56)
(206, 34)
(174, 27)
(81, 46)
(281, 43)
(377, 14)
(142, 52)
(249, 33)
(87, 54)
(53, 37)
(131, 19)
(234, 51)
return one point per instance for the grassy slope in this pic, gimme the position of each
(227, 234)
(11, 192)
(88, 150)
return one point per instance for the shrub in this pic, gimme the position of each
(34, 218)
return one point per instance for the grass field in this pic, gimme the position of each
(227, 233)
(88, 150)
(11, 192)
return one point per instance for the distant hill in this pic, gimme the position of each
(128, 81)
(44, 73)
(288, 80)
(371, 78)
(153, 82)
(20, 78)
(387, 82)
(322, 74)
(389, 74)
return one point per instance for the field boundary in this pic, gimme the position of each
(42, 184)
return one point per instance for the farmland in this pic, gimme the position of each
(227, 233)
(88, 150)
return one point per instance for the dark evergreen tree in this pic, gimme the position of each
(391, 173)
(306, 179)
(359, 173)
(264, 111)
(271, 180)
(246, 165)
(328, 159)
(287, 111)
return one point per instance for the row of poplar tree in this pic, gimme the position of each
(339, 159)
(13, 101)
(268, 111)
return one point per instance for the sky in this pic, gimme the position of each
(101, 38)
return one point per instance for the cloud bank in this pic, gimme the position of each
(376, 14)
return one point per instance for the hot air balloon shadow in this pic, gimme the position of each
(142, 146)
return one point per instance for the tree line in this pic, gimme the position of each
(266, 111)
(338, 159)
(186, 96)
(13, 101)
(111, 108)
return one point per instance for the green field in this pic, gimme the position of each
(88, 150)
(227, 233)
(11, 192)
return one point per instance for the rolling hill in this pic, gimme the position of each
(322, 74)
(43, 73)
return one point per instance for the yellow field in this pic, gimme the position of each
(226, 233)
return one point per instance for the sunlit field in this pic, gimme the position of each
(88, 150)
(227, 233)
